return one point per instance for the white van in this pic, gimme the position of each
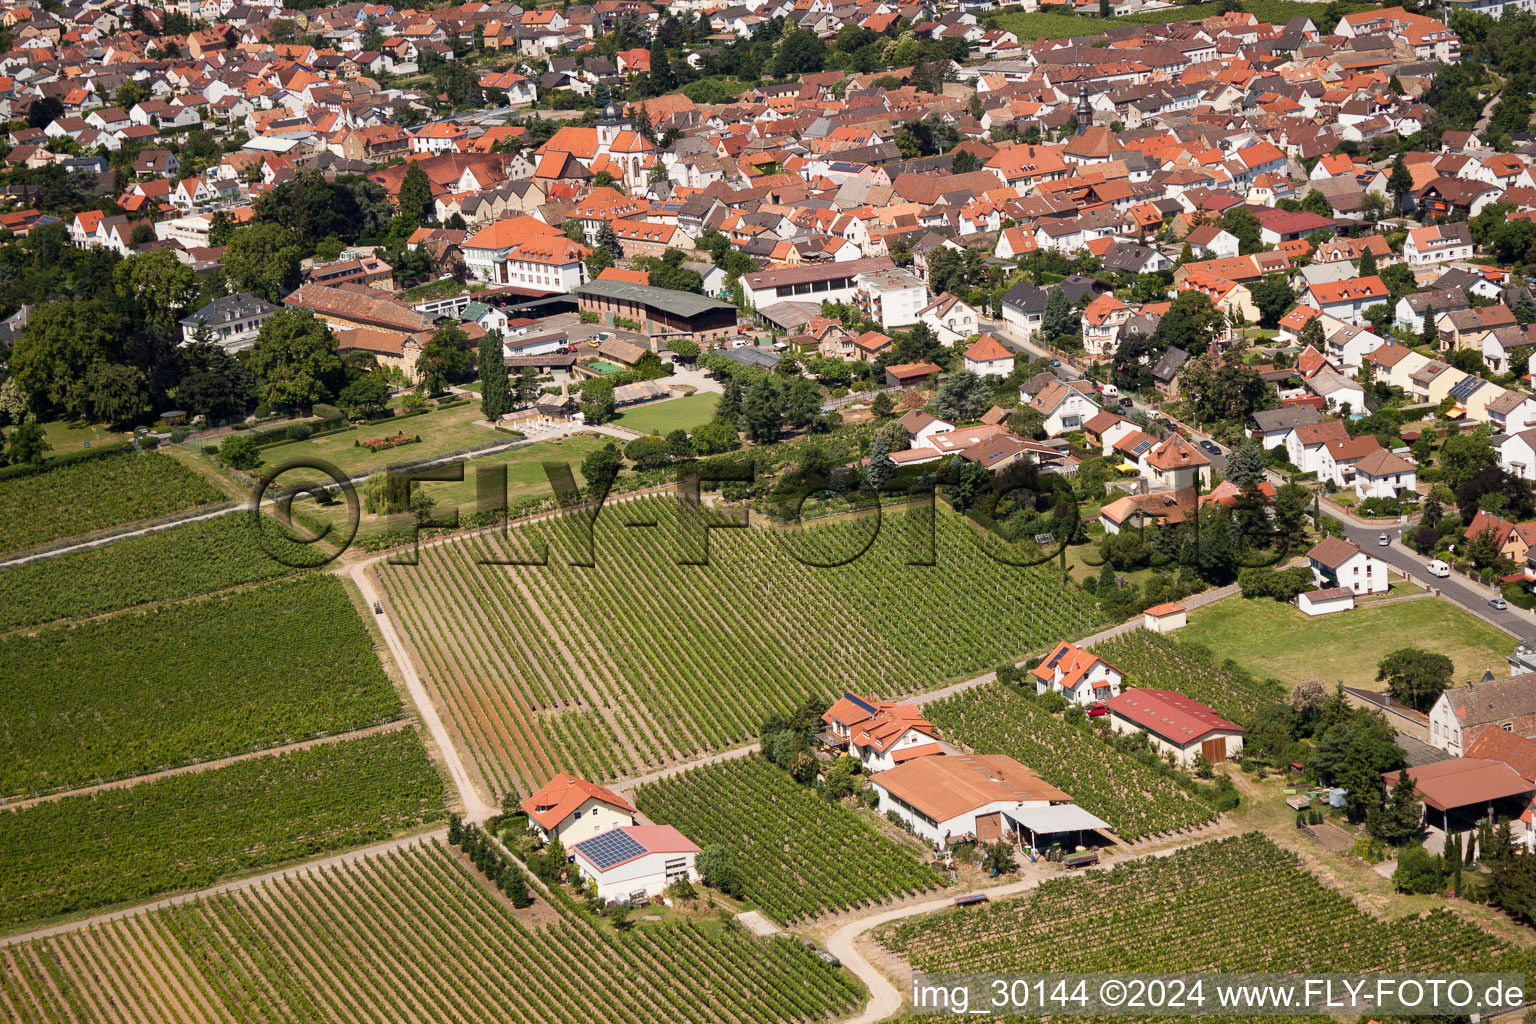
(1439, 568)
(1109, 391)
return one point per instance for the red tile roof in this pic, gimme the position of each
(1171, 715)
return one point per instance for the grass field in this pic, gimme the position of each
(1136, 800)
(1055, 25)
(1233, 905)
(139, 693)
(181, 562)
(525, 479)
(68, 436)
(641, 662)
(687, 413)
(1272, 639)
(799, 855)
(441, 431)
(83, 497)
(188, 831)
(413, 935)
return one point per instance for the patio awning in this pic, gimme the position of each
(1057, 818)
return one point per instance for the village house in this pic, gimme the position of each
(880, 733)
(1336, 562)
(570, 809)
(1077, 674)
(1460, 715)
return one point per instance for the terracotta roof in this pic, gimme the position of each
(1463, 781)
(1516, 751)
(986, 349)
(562, 794)
(1073, 661)
(1168, 713)
(947, 787)
(377, 310)
(1176, 453)
(1333, 552)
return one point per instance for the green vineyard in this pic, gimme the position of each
(94, 494)
(1163, 663)
(188, 831)
(639, 661)
(1239, 904)
(183, 562)
(799, 855)
(411, 935)
(1135, 800)
(139, 693)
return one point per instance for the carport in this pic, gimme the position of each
(1055, 820)
(1467, 789)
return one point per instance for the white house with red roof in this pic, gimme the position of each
(633, 862)
(573, 809)
(439, 137)
(988, 357)
(1437, 243)
(1077, 674)
(880, 733)
(1176, 724)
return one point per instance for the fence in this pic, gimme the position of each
(854, 397)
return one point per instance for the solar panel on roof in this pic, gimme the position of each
(610, 848)
(861, 702)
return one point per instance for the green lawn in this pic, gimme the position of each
(65, 436)
(1055, 25)
(442, 430)
(525, 479)
(1273, 639)
(689, 413)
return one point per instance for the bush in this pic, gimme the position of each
(238, 451)
(1052, 702)
(1418, 871)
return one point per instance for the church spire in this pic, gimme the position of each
(1084, 111)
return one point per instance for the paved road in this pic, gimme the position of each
(1455, 588)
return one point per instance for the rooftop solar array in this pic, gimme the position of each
(610, 848)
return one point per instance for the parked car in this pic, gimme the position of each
(1383, 541)
(828, 958)
(1098, 711)
(1498, 603)
(1211, 447)
(1439, 568)
(1125, 401)
(1109, 390)
(1055, 363)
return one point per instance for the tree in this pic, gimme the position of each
(415, 196)
(365, 396)
(597, 401)
(1245, 466)
(1463, 455)
(263, 259)
(882, 407)
(1057, 320)
(1415, 677)
(649, 452)
(239, 452)
(294, 360)
(999, 858)
(157, 284)
(1191, 323)
(1428, 335)
(967, 484)
(495, 392)
(608, 241)
(601, 467)
(119, 394)
(1400, 182)
(1245, 227)
(717, 869)
(880, 468)
(444, 358)
(525, 389)
(1311, 335)
(28, 444)
(761, 415)
(1315, 202)
(54, 355)
(1274, 297)
(679, 445)
(716, 438)
(962, 396)
(1368, 263)
(802, 403)
(44, 111)
(1418, 871)
(1225, 392)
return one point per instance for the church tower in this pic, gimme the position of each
(1084, 110)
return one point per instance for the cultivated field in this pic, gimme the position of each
(640, 661)
(411, 937)
(138, 693)
(187, 831)
(1239, 904)
(1136, 800)
(1263, 637)
(186, 561)
(1162, 662)
(799, 855)
(82, 497)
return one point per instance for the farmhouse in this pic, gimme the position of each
(635, 861)
(1461, 715)
(1338, 563)
(980, 797)
(881, 734)
(571, 809)
(988, 358)
(1176, 724)
(1077, 674)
